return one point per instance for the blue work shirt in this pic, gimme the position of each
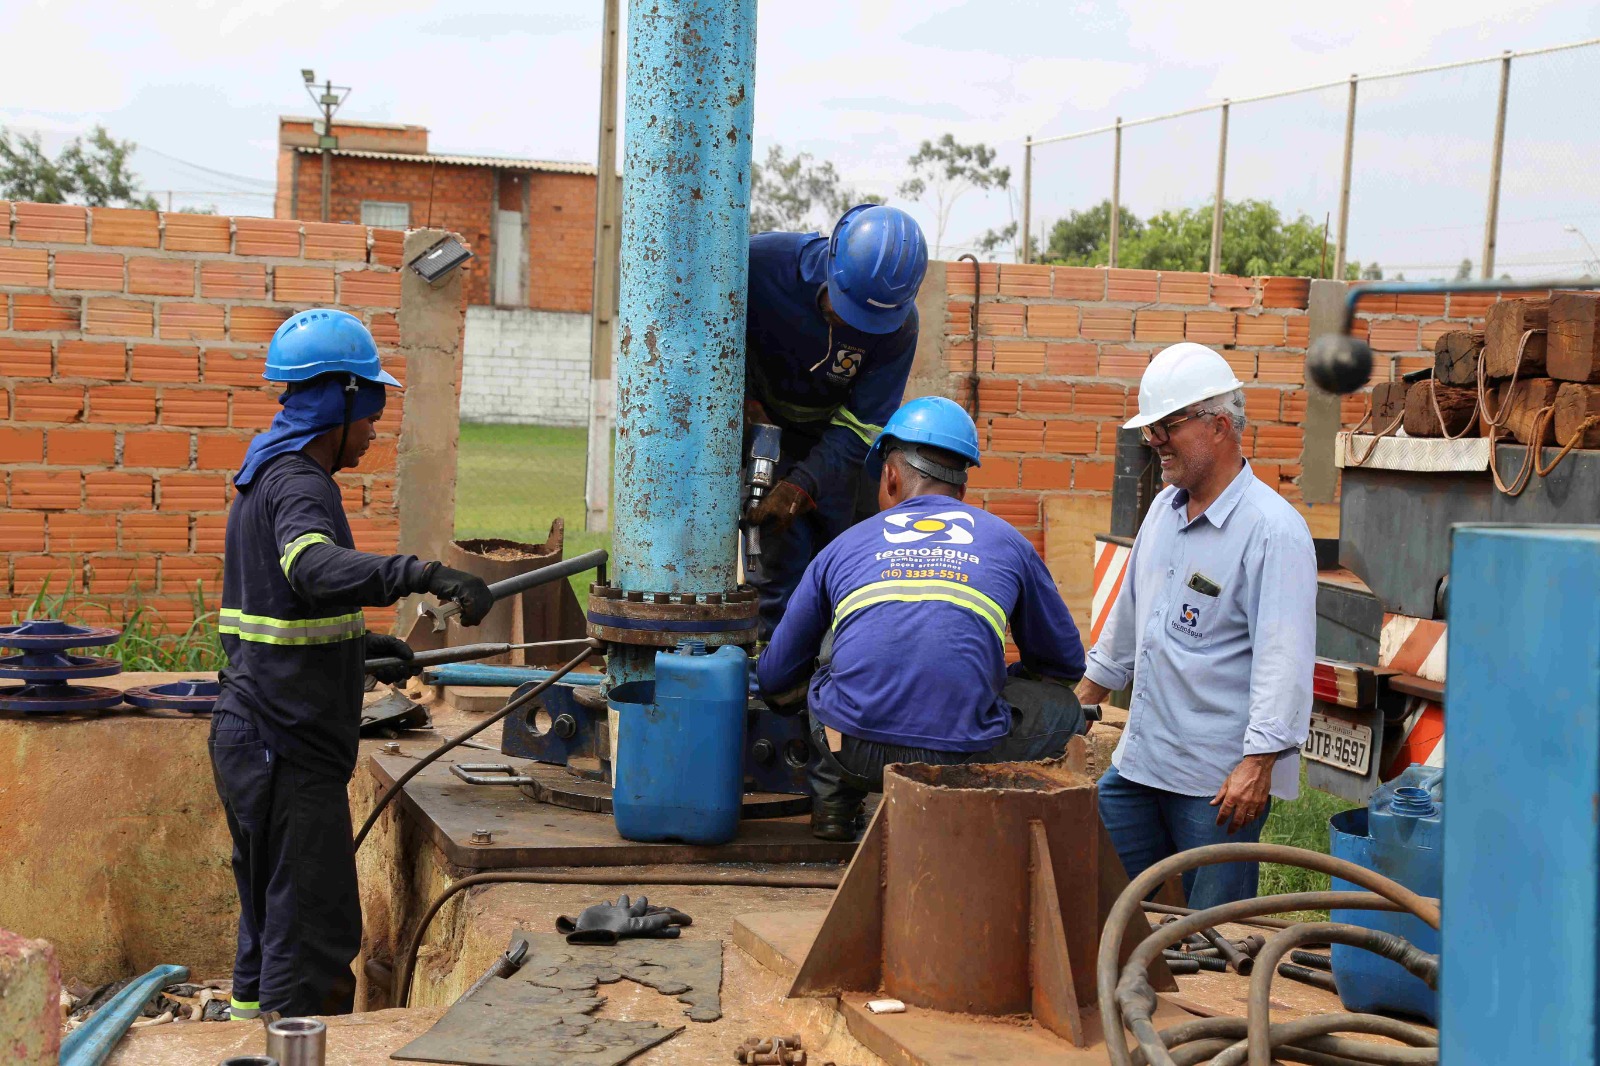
(1215, 677)
(834, 382)
(919, 598)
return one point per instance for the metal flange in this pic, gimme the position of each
(48, 634)
(195, 695)
(57, 698)
(56, 666)
(661, 619)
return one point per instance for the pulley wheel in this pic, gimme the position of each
(47, 634)
(195, 695)
(57, 698)
(56, 666)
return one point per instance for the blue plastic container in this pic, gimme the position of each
(1401, 837)
(680, 747)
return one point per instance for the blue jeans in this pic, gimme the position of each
(1150, 824)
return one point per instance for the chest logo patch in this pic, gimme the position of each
(846, 363)
(946, 527)
(1191, 616)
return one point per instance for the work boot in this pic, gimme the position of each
(835, 821)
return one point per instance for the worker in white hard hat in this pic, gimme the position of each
(1215, 628)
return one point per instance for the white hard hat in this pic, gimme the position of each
(1179, 376)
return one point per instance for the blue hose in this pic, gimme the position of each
(479, 675)
(91, 1043)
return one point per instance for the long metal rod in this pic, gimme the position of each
(1339, 246)
(1216, 207)
(1202, 108)
(1027, 202)
(1491, 222)
(1116, 195)
(603, 301)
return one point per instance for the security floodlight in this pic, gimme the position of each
(436, 264)
(308, 74)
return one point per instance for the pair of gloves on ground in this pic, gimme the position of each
(446, 583)
(607, 923)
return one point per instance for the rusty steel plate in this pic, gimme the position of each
(661, 619)
(561, 786)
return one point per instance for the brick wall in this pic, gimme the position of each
(131, 350)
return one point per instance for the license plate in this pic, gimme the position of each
(1338, 743)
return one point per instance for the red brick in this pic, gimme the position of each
(28, 267)
(46, 490)
(1015, 435)
(381, 494)
(1078, 283)
(336, 240)
(125, 227)
(1107, 323)
(174, 614)
(1024, 279)
(1285, 292)
(382, 453)
(21, 358)
(1046, 398)
(155, 448)
(1001, 319)
(225, 280)
(192, 492)
(99, 271)
(385, 330)
(192, 322)
(1136, 285)
(1118, 362)
(5, 404)
(194, 407)
(255, 325)
(124, 318)
(1019, 357)
(1294, 407)
(1432, 331)
(369, 288)
(189, 573)
(1242, 362)
(1229, 290)
(1375, 303)
(1407, 364)
(20, 532)
(225, 367)
(81, 447)
(1106, 401)
(21, 445)
(1209, 327)
(995, 473)
(1278, 442)
(1091, 476)
(1264, 331)
(155, 362)
(37, 573)
(1152, 325)
(1267, 473)
(82, 533)
(1394, 335)
(49, 403)
(1472, 304)
(117, 490)
(150, 276)
(1416, 303)
(1019, 509)
(209, 531)
(958, 278)
(92, 359)
(1181, 287)
(51, 224)
(388, 247)
(1299, 330)
(1069, 438)
(997, 396)
(267, 236)
(1281, 369)
(121, 574)
(196, 233)
(253, 409)
(150, 532)
(1043, 475)
(302, 285)
(958, 319)
(958, 357)
(122, 403)
(352, 495)
(1052, 320)
(1262, 405)
(1353, 407)
(1077, 360)
(380, 536)
(38, 312)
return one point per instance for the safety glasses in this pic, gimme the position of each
(1161, 432)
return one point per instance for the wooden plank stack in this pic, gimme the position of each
(1558, 368)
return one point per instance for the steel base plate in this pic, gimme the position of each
(195, 695)
(57, 698)
(563, 787)
(542, 835)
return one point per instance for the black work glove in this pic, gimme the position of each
(379, 646)
(607, 923)
(463, 588)
(781, 506)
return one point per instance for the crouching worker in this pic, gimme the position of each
(284, 732)
(904, 618)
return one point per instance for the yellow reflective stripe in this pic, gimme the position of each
(242, 1005)
(930, 591)
(265, 630)
(298, 545)
(865, 430)
(797, 413)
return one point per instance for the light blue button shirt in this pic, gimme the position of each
(1218, 676)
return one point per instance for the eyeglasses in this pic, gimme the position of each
(1161, 432)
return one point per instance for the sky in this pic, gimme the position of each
(199, 86)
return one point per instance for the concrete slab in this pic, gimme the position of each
(354, 1040)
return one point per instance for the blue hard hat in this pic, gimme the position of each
(932, 420)
(876, 259)
(324, 341)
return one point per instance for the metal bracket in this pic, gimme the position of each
(661, 619)
(489, 773)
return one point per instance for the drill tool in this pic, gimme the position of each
(466, 652)
(761, 473)
(441, 613)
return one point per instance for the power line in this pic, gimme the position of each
(208, 170)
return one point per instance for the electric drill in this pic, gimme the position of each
(761, 468)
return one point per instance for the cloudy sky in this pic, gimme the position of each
(200, 85)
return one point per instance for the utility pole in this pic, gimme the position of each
(607, 243)
(1491, 223)
(329, 101)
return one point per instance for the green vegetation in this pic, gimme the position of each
(1301, 824)
(145, 643)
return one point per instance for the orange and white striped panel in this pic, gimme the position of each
(1424, 737)
(1110, 566)
(1413, 646)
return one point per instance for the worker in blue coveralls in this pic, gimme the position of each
(284, 731)
(905, 617)
(831, 329)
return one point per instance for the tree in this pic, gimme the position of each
(798, 194)
(948, 170)
(94, 173)
(1074, 240)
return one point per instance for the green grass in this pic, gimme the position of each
(145, 643)
(513, 481)
(1302, 824)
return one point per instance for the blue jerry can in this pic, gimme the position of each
(1401, 837)
(680, 747)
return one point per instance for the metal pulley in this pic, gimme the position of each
(45, 662)
(194, 695)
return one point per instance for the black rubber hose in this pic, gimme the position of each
(408, 961)
(1184, 912)
(1324, 1024)
(1204, 1033)
(517, 702)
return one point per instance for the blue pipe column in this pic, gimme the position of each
(685, 252)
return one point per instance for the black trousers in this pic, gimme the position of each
(293, 860)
